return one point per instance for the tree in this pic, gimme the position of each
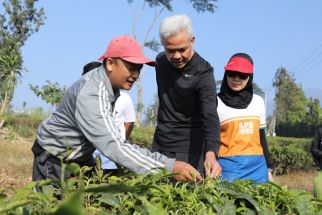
(290, 105)
(51, 92)
(18, 22)
(257, 90)
(10, 72)
(159, 6)
(151, 113)
(218, 85)
(314, 116)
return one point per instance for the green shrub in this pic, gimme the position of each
(290, 154)
(142, 136)
(25, 123)
(287, 153)
(303, 143)
(25, 131)
(12, 135)
(318, 185)
(290, 158)
(37, 116)
(157, 194)
(32, 118)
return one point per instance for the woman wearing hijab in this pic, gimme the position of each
(243, 152)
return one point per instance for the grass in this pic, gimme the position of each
(16, 166)
(15, 160)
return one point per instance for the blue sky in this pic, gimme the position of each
(275, 33)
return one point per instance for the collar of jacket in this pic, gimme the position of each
(113, 95)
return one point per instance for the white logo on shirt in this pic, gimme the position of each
(246, 128)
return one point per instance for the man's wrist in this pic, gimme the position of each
(212, 153)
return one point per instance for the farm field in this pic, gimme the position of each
(16, 166)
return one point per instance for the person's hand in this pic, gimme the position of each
(185, 172)
(212, 167)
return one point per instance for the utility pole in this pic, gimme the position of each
(271, 129)
(271, 126)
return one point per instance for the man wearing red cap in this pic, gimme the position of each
(188, 125)
(243, 151)
(83, 121)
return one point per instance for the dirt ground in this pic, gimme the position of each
(301, 180)
(16, 166)
(15, 160)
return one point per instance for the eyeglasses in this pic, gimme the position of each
(233, 74)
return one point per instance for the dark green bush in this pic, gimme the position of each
(289, 158)
(303, 143)
(290, 154)
(287, 153)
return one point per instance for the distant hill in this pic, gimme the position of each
(311, 92)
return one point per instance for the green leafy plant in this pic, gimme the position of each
(92, 192)
(50, 92)
(318, 185)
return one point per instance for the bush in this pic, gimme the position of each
(303, 143)
(142, 136)
(287, 153)
(157, 194)
(25, 131)
(24, 124)
(289, 158)
(290, 154)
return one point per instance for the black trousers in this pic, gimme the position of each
(47, 166)
(194, 159)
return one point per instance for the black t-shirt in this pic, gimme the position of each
(187, 115)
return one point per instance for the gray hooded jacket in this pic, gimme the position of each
(84, 121)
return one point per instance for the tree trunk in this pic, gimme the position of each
(3, 109)
(139, 106)
(1, 123)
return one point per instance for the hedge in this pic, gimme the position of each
(287, 153)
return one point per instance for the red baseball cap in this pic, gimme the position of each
(128, 49)
(239, 64)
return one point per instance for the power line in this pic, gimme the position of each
(310, 62)
(304, 63)
(310, 68)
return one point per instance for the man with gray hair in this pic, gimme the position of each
(83, 121)
(188, 126)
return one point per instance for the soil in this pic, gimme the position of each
(15, 160)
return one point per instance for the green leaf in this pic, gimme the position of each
(304, 204)
(48, 189)
(71, 206)
(267, 211)
(114, 188)
(242, 196)
(150, 208)
(74, 168)
(228, 208)
(318, 185)
(109, 199)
